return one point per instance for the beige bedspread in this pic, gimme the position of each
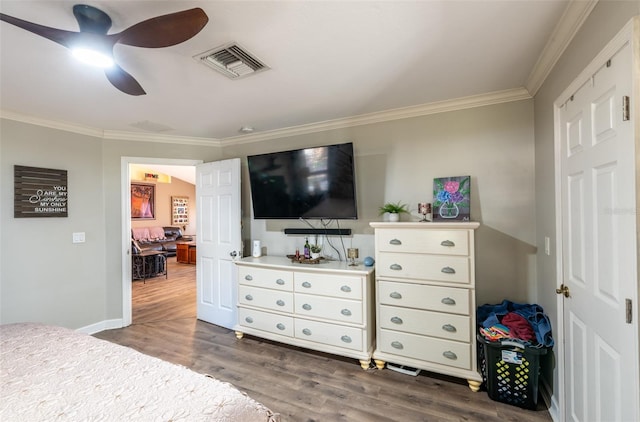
(52, 373)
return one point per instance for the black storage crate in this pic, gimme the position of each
(510, 371)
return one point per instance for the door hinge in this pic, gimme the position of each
(625, 108)
(629, 308)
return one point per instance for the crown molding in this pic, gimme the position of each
(108, 134)
(574, 15)
(497, 97)
(160, 138)
(52, 124)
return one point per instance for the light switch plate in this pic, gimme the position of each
(78, 237)
(547, 245)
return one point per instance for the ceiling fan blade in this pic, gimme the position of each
(123, 81)
(164, 31)
(62, 37)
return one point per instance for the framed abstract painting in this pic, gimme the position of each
(143, 201)
(451, 198)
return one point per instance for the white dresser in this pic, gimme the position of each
(425, 297)
(326, 307)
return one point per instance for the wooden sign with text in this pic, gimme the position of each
(39, 192)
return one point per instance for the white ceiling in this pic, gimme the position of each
(329, 60)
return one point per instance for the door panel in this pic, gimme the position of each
(218, 241)
(597, 173)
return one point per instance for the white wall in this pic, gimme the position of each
(43, 276)
(46, 278)
(398, 160)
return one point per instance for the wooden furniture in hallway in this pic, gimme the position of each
(186, 252)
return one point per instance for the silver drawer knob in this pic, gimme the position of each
(306, 332)
(447, 243)
(448, 301)
(346, 312)
(395, 242)
(345, 289)
(395, 267)
(395, 295)
(280, 303)
(306, 307)
(346, 339)
(450, 355)
(306, 284)
(396, 320)
(397, 345)
(248, 277)
(280, 326)
(249, 320)
(450, 328)
(448, 270)
(248, 297)
(280, 282)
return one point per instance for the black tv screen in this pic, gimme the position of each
(312, 183)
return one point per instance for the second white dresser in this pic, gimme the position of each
(425, 297)
(326, 307)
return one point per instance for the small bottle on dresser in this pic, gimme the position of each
(307, 248)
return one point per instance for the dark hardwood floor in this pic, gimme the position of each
(300, 384)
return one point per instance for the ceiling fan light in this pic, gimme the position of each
(92, 57)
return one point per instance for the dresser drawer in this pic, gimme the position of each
(451, 269)
(442, 242)
(435, 324)
(265, 298)
(262, 277)
(445, 352)
(332, 334)
(421, 296)
(266, 321)
(329, 308)
(329, 285)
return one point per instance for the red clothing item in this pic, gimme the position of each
(518, 326)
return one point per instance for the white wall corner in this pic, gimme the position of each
(572, 19)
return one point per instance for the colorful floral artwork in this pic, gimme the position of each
(451, 198)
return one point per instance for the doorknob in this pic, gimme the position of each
(563, 290)
(233, 253)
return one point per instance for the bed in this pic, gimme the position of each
(53, 373)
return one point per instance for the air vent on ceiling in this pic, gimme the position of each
(232, 61)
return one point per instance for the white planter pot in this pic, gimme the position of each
(394, 217)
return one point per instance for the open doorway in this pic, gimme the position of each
(127, 276)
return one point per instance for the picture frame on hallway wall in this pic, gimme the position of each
(452, 198)
(180, 210)
(143, 201)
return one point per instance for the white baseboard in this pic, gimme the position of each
(109, 324)
(550, 400)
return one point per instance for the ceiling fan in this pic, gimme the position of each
(93, 41)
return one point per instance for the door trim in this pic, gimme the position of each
(626, 35)
(127, 312)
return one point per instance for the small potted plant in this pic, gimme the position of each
(394, 210)
(315, 251)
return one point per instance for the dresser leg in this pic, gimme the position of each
(239, 334)
(474, 385)
(379, 363)
(364, 363)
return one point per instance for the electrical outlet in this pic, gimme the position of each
(547, 245)
(78, 237)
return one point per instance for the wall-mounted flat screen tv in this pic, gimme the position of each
(313, 183)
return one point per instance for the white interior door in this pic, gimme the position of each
(218, 240)
(598, 191)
